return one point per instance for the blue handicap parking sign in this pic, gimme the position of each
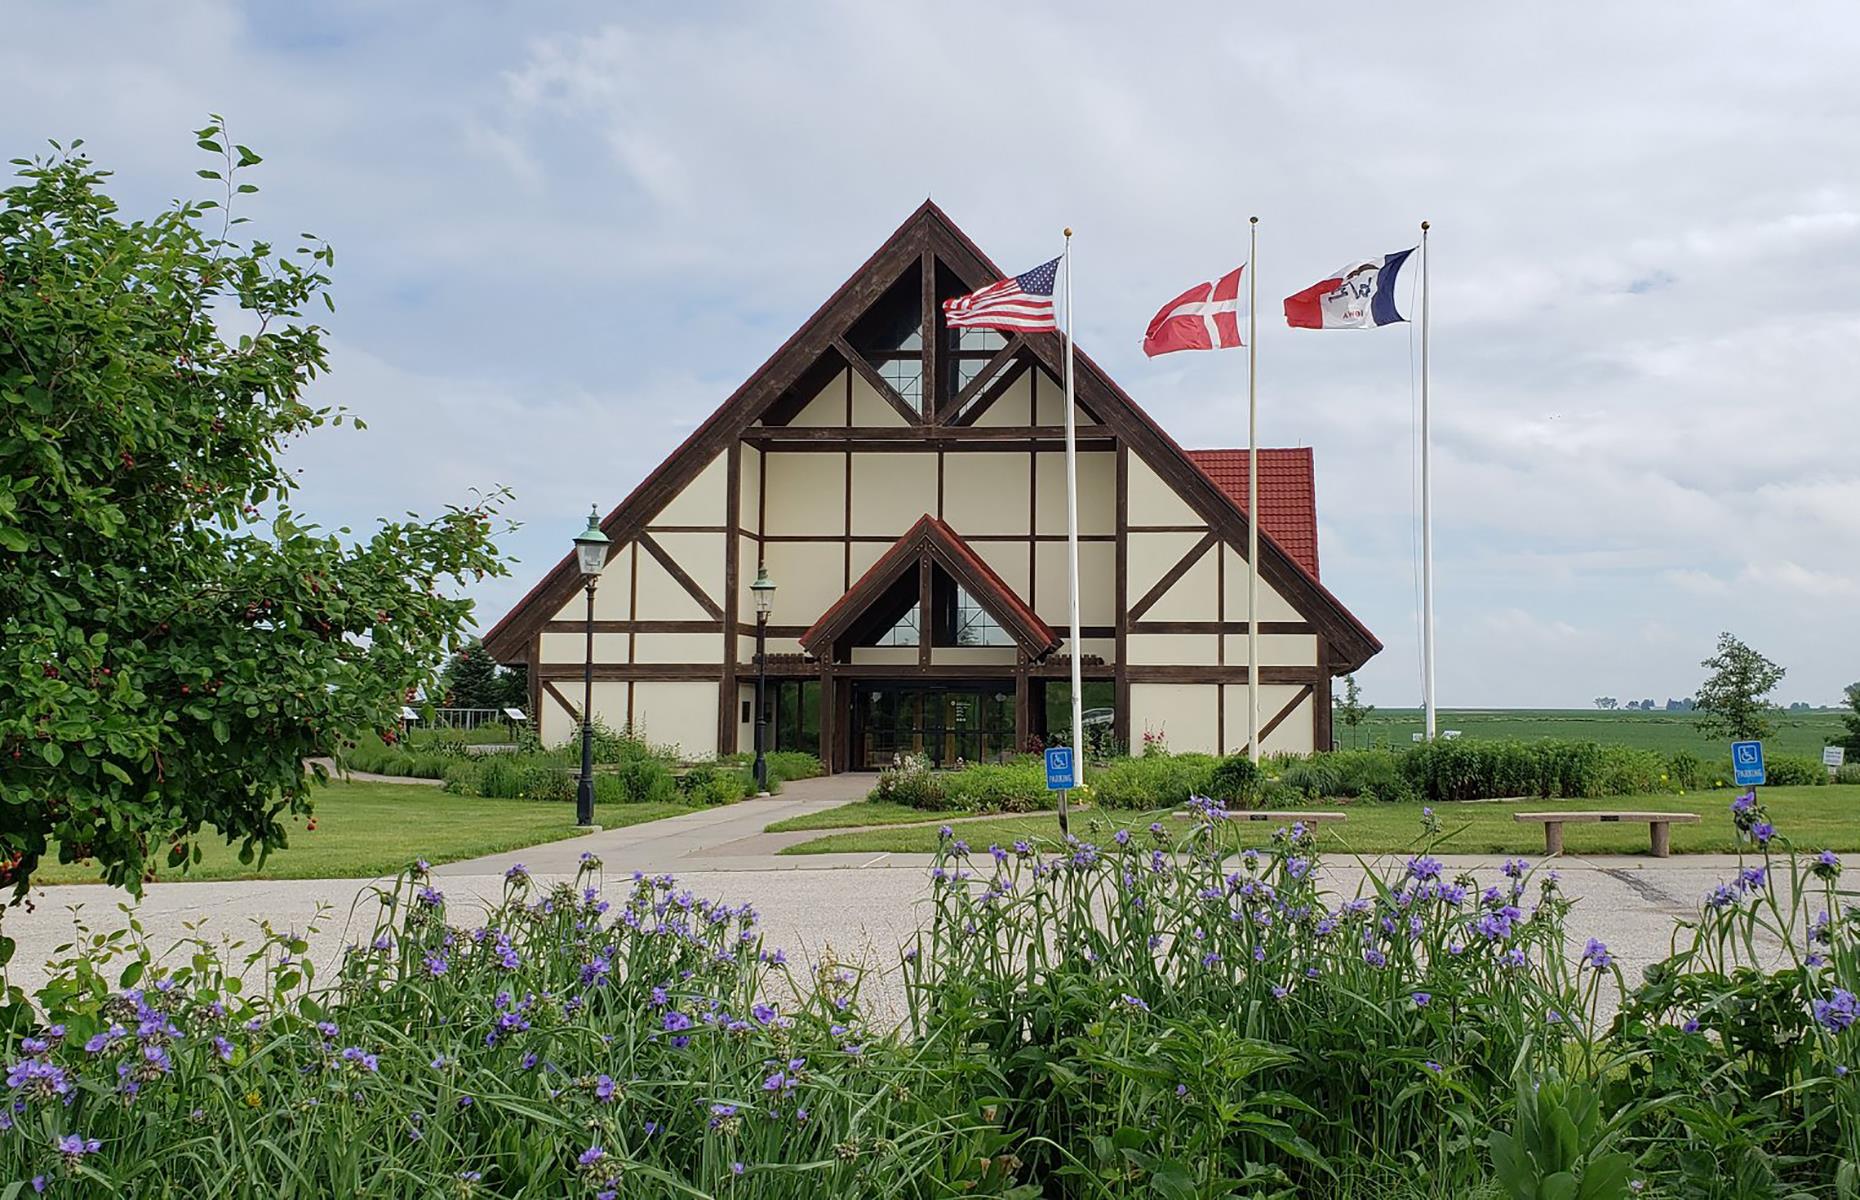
(1059, 772)
(1747, 764)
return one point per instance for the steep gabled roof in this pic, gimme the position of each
(1287, 495)
(928, 231)
(944, 546)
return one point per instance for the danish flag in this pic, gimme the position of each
(1205, 317)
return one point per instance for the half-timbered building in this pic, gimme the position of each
(903, 485)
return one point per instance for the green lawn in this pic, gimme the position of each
(860, 812)
(1800, 733)
(1814, 817)
(368, 829)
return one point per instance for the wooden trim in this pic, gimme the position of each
(994, 389)
(635, 627)
(1033, 526)
(1266, 730)
(1160, 673)
(984, 379)
(865, 442)
(926, 620)
(1168, 528)
(1120, 702)
(993, 671)
(775, 632)
(974, 436)
(888, 538)
(677, 572)
(555, 694)
(690, 528)
(1023, 706)
(1219, 627)
(533, 681)
(1172, 576)
(880, 384)
(1323, 734)
(932, 387)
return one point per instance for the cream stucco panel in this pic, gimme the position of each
(1171, 649)
(1293, 736)
(749, 503)
(986, 492)
(573, 647)
(808, 578)
(678, 648)
(1194, 597)
(681, 714)
(1097, 492)
(609, 709)
(1275, 649)
(663, 598)
(864, 554)
(1153, 502)
(1153, 554)
(613, 596)
(1014, 407)
(827, 408)
(1097, 584)
(871, 409)
(805, 493)
(701, 556)
(1008, 560)
(886, 655)
(891, 492)
(1050, 407)
(700, 502)
(1272, 605)
(1184, 713)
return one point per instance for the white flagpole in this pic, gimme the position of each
(1427, 517)
(1072, 554)
(1252, 493)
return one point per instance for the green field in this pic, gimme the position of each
(368, 829)
(1816, 818)
(1801, 733)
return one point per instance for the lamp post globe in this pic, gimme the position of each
(591, 547)
(763, 590)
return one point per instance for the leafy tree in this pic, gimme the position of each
(1606, 702)
(1732, 696)
(1852, 719)
(1353, 712)
(174, 640)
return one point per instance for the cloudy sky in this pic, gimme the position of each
(566, 231)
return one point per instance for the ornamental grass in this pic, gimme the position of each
(1154, 1016)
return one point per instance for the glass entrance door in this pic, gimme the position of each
(946, 723)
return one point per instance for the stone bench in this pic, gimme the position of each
(1659, 825)
(1273, 814)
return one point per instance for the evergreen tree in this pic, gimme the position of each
(1852, 720)
(472, 679)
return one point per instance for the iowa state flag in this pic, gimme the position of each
(1205, 317)
(1358, 296)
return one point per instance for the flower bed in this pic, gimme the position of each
(1143, 1018)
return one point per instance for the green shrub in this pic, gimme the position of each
(1794, 770)
(1625, 771)
(643, 779)
(1686, 770)
(1847, 773)
(911, 782)
(1155, 781)
(1011, 787)
(1236, 780)
(717, 783)
(462, 779)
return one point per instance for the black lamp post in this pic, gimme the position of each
(764, 591)
(591, 553)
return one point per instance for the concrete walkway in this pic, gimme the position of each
(861, 905)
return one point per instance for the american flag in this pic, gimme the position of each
(1023, 303)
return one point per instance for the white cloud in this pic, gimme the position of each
(565, 235)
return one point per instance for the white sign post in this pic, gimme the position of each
(1832, 757)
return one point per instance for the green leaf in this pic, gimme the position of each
(206, 174)
(13, 539)
(53, 753)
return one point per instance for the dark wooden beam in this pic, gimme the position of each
(1219, 627)
(1236, 673)
(727, 723)
(879, 383)
(1172, 576)
(677, 572)
(572, 626)
(555, 694)
(984, 379)
(1278, 719)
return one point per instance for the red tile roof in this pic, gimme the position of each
(1287, 495)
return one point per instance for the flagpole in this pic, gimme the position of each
(1072, 555)
(1427, 516)
(1252, 493)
